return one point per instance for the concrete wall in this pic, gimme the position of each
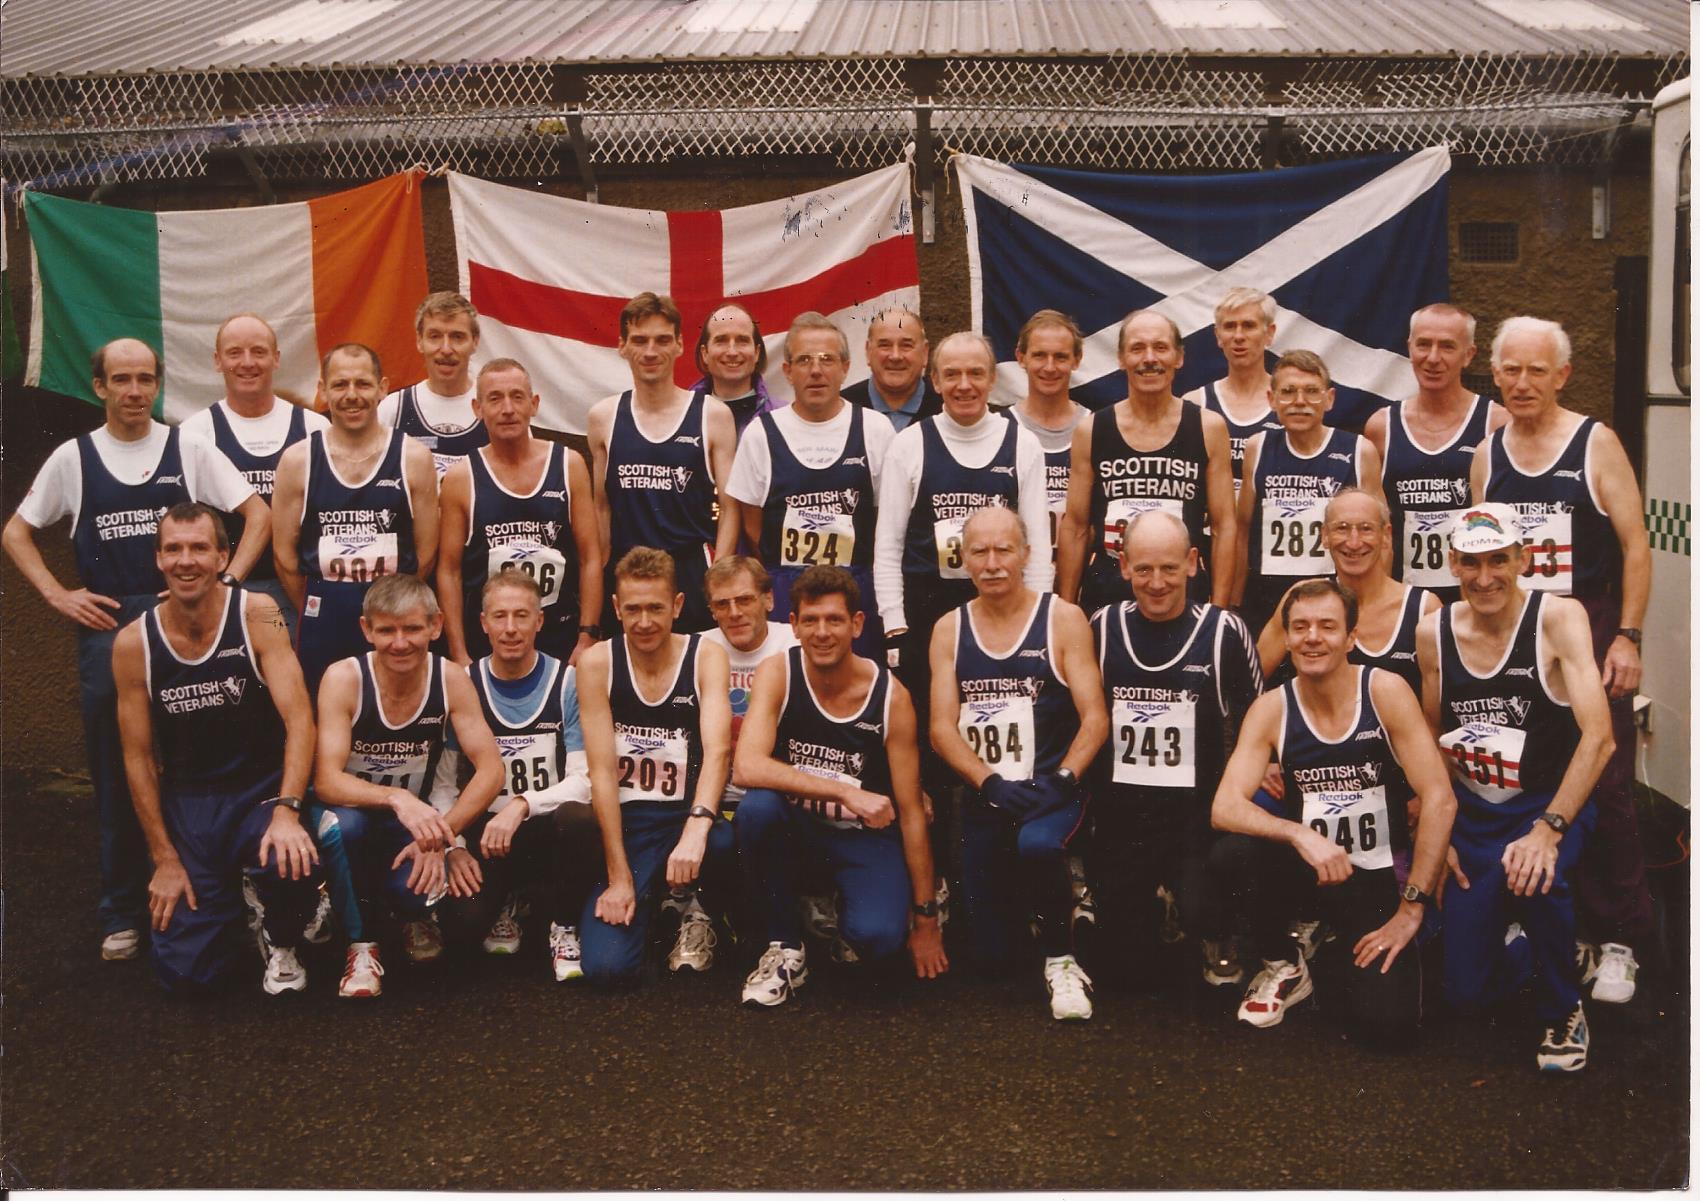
(1562, 273)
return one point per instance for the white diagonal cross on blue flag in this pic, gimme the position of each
(1349, 250)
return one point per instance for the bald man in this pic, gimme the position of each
(113, 484)
(253, 427)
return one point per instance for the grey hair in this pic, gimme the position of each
(1238, 298)
(1533, 325)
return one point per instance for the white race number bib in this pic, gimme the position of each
(528, 764)
(651, 767)
(830, 812)
(358, 558)
(1292, 538)
(1000, 731)
(1487, 758)
(1547, 549)
(1426, 544)
(544, 564)
(1154, 743)
(1354, 820)
(809, 538)
(1120, 512)
(947, 537)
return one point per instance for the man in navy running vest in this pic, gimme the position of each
(660, 457)
(1289, 477)
(384, 718)
(1341, 734)
(438, 413)
(209, 673)
(1150, 450)
(519, 502)
(1244, 329)
(113, 484)
(1018, 713)
(253, 426)
(355, 503)
(658, 736)
(1427, 444)
(1579, 508)
(1511, 690)
(1048, 349)
(805, 478)
(829, 758)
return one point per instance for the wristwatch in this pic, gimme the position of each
(930, 909)
(230, 581)
(1631, 633)
(1558, 824)
(701, 811)
(1414, 895)
(595, 632)
(289, 802)
(1067, 775)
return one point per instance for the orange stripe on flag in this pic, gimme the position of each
(369, 272)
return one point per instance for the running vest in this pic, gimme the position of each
(532, 532)
(259, 470)
(534, 756)
(1017, 713)
(659, 746)
(446, 448)
(1057, 462)
(399, 755)
(1341, 789)
(1426, 492)
(1237, 433)
(1572, 547)
(818, 515)
(660, 494)
(1399, 654)
(356, 533)
(945, 497)
(1504, 735)
(118, 524)
(1132, 481)
(851, 749)
(1293, 490)
(1165, 746)
(213, 717)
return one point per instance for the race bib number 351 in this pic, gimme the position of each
(1356, 821)
(1487, 759)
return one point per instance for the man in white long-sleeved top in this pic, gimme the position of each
(541, 830)
(938, 472)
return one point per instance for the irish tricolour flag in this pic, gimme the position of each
(348, 267)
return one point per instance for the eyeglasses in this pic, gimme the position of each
(1311, 392)
(807, 361)
(727, 603)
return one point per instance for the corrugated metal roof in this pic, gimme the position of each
(91, 37)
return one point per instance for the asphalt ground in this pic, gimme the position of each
(485, 1074)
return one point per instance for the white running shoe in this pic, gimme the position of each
(1279, 986)
(422, 941)
(564, 953)
(1564, 1048)
(694, 947)
(1222, 961)
(504, 935)
(780, 973)
(284, 972)
(1068, 986)
(318, 931)
(121, 944)
(1614, 979)
(364, 975)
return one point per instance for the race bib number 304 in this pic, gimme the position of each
(1488, 759)
(1356, 821)
(1154, 743)
(542, 563)
(651, 767)
(1000, 732)
(358, 558)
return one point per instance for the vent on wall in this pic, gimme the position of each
(1487, 241)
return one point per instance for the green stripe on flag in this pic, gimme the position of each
(97, 278)
(1669, 525)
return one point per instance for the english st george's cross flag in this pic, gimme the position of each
(549, 275)
(1348, 250)
(348, 267)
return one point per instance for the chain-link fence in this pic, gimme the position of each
(1138, 112)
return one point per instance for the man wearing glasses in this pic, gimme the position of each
(1288, 480)
(804, 478)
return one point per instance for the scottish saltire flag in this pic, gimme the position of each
(549, 275)
(345, 267)
(1349, 250)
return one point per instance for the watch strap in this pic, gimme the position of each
(701, 811)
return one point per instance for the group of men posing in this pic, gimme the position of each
(849, 654)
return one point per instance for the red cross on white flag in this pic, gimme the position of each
(549, 275)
